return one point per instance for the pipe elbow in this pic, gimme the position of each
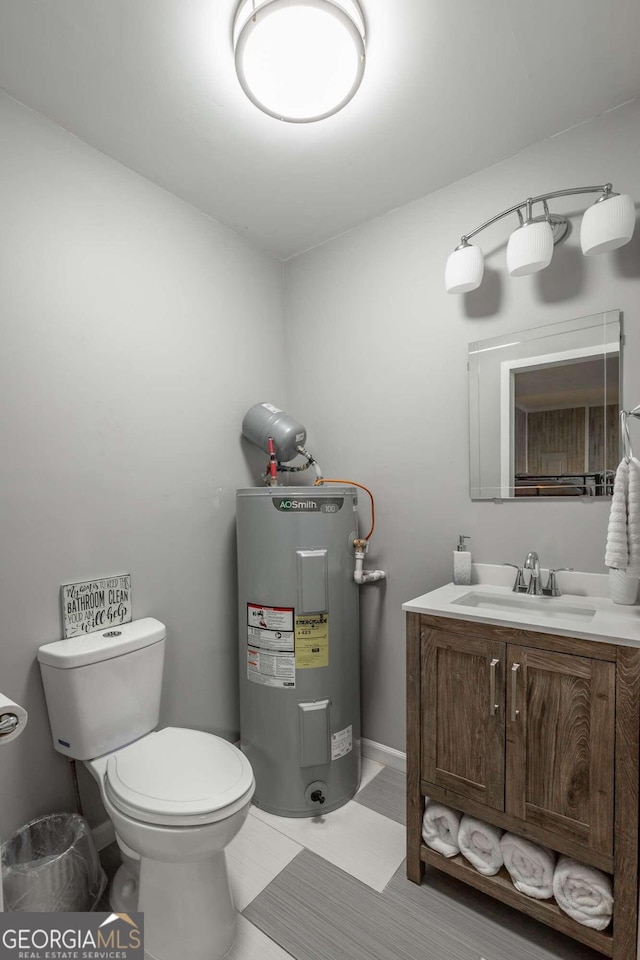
(368, 576)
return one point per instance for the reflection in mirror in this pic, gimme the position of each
(544, 409)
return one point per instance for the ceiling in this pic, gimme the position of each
(449, 88)
(569, 384)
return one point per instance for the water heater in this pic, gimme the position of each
(299, 646)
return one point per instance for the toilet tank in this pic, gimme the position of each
(103, 688)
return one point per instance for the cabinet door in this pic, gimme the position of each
(463, 715)
(560, 744)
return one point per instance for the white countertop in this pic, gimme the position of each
(611, 622)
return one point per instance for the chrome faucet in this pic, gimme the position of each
(534, 587)
(532, 563)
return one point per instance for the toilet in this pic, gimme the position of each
(176, 797)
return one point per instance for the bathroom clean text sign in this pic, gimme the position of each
(95, 604)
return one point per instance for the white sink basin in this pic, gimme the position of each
(550, 608)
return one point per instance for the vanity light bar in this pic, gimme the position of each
(605, 226)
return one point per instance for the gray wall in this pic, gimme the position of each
(377, 365)
(135, 334)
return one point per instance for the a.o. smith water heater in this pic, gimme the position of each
(299, 646)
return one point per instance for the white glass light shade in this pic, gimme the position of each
(464, 269)
(607, 224)
(530, 248)
(300, 60)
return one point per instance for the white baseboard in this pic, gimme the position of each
(103, 834)
(386, 755)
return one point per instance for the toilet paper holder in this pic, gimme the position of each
(8, 723)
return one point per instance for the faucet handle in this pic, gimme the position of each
(519, 585)
(552, 589)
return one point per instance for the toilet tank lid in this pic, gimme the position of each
(102, 644)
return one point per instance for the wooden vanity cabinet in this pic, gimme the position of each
(537, 734)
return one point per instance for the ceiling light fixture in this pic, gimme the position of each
(299, 60)
(606, 225)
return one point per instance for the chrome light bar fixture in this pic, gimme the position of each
(606, 225)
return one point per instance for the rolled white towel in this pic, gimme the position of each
(480, 843)
(530, 866)
(585, 893)
(440, 827)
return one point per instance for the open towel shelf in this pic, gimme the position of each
(501, 888)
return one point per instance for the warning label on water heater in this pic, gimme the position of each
(342, 743)
(270, 646)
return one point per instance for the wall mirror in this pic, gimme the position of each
(544, 410)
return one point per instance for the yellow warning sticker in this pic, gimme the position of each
(312, 640)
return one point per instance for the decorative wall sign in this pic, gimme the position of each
(94, 604)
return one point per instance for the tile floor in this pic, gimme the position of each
(333, 887)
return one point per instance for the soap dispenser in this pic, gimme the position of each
(462, 562)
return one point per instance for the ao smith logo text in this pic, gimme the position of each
(307, 505)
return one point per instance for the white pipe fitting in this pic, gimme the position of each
(364, 576)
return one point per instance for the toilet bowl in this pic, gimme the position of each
(176, 797)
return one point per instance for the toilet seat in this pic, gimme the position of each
(178, 777)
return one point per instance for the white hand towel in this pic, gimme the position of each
(480, 843)
(530, 866)
(623, 534)
(440, 827)
(633, 518)
(617, 550)
(585, 893)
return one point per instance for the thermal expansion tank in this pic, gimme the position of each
(299, 646)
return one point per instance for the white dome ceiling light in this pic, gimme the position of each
(607, 224)
(299, 60)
